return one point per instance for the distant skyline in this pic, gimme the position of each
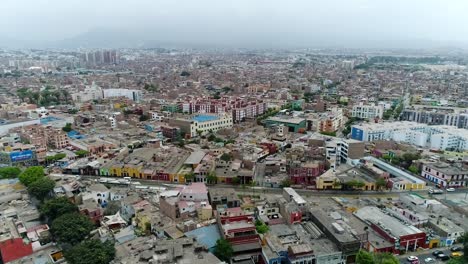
(240, 23)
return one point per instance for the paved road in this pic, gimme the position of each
(424, 254)
(305, 192)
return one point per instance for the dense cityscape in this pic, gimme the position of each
(236, 156)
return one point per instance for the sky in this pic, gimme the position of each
(301, 23)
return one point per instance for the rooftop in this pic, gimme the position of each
(205, 118)
(390, 224)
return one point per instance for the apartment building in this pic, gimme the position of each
(367, 111)
(202, 124)
(422, 135)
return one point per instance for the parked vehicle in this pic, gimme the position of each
(450, 189)
(435, 191)
(456, 254)
(456, 248)
(437, 253)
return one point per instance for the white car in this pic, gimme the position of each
(450, 189)
(429, 260)
(412, 258)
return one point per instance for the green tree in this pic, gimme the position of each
(364, 257)
(414, 169)
(144, 118)
(211, 178)
(223, 250)
(71, 228)
(56, 207)
(67, 127)
(189, 176)
(31, 175)
(385, 258)
(185, 74)
(41, 188)
(91, 252)
(235, 180)
(285, 183)
(226, 157)
(261, 227)
(81, 153)
(22, 93)
(380, 183)
(9, 172)
(464, 240)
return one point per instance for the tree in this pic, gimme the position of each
(261, 227)
(380, 183)
(91, 252)
(31, 175)
(67, 127)
(56, 207)
(41, 188)
(414, 169)
(364, 257)
(211, 137)
(235, 180)
(185, 74)
(9, 172)
(211, 178)
(217, 96)
(285, 183)
(189, 177)
(81, 153)
(71, 228)
(332, 134)
(223, 250)
(385, 258)
(144, 118)
(226, 157)
(22, 93)
(464, 240)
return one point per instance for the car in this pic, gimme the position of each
(429, 260)
(435, 191)
(456, 254)
(437, 253)
(443, 257)
(450, 189)
(456, 248)
(412, 258)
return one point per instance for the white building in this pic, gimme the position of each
(134, 95)
(369, 111)
(422, 135)
(90, 93)
(156, 116)
(203, 123)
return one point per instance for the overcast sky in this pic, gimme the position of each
(243, 22)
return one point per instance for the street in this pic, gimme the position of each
(424, 254)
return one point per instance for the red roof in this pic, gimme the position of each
(14, 249)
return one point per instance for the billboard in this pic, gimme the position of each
(18, 156)
(357, 133)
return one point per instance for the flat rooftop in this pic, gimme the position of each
(390, 224)
(204, 118)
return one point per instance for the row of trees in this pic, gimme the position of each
(68, 227)
(364, 257)
(46, 97)
(72, 230)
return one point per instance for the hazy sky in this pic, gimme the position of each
(243, 22)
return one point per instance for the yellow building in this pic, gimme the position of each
(205, 213)
(328, 181)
